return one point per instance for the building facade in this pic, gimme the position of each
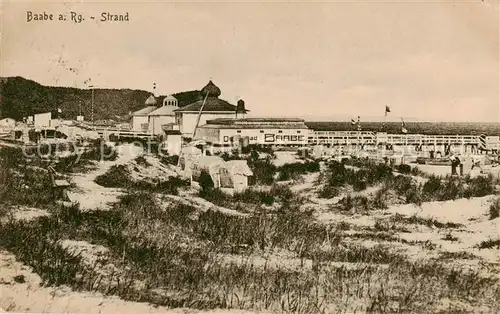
(162, 116)
(442, 144)
(258, 131)
(140, 119)
(8, 123)
(42, 120)
(209, 108)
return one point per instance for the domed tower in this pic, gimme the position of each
(170, 101)
(151, 101)
(211, 89)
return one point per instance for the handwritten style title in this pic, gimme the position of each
(76, 17)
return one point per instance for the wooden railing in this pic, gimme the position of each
(363, 137)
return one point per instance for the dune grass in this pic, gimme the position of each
(175, 257)
(119, 176)
(181, 256)
(495, 209)
(396, 189)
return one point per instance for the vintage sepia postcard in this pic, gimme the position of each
(336, 156)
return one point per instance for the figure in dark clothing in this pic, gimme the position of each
(460, 165)
(454, 165)
(456, 162)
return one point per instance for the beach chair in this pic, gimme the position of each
(59, 185)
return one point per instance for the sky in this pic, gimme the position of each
(428, 60)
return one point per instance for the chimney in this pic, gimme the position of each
(240, 109)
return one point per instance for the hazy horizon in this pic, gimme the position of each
(429, 60)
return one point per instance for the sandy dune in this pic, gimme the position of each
(89, 194)
(29, 296)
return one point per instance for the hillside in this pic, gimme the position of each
(21, 97)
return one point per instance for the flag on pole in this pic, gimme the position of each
(403, 128)
(353, 122)
(387, 110)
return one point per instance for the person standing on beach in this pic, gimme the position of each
(453, 165)
(460, 165)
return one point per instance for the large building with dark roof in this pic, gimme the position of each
(211, 106)
(259, 131)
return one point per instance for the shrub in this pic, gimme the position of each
(293, 170)
(401, 184)
(170, 160)
(118, 176)
(206, 182)
(370, 173)
(359, 184)
(171, 186)
(25, 186)
(11, 157)
(356, 202)
(403, 168)
(417, 172)
(489, 244)
(414, 195)
(479, 186)
(328, 192)
(380, 199)
(254, 155)
(140, 160)
(432, 186)
(226, 156)
(452, 189)
(282, 192)
(495, 209)
(379, 173)
(263, 171)
(72, 163)
(254, 197)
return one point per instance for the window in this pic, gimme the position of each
(261, 131)
(239, 131)
(298, 131)
(280, 131)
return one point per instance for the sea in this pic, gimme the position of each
(431, 128)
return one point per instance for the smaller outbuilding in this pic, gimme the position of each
(228, 175)
(238, 171)
(7, 123)
(140, 119)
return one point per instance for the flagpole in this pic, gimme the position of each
(358, 144)
(385, 122)
(93, 125)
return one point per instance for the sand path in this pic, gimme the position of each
(89, 194)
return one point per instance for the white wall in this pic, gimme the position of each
(55, 123)
(208, 134)
(42, 120)
(137, 121)
(173, 144)
(267, 137)
(155, 123)
(188, 120)
(240, 183)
